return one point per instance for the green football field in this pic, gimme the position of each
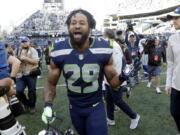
(153, 108)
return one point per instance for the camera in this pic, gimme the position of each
(120, 36)
(8, 124)
(130, 26)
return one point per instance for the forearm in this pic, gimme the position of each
(49, 93)
(15, 69)
(12, 60)
(50, 86)
(115, 82)
(112, 77)
(32, 61)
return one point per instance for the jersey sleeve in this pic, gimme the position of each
(56, 55)
(108, 51)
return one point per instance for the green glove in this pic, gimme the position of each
(47, 116)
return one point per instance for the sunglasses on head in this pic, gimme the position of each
(23, 41)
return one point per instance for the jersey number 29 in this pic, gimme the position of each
(90, 74)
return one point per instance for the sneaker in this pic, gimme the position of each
(110, 122)
(158, 90)
(134, 122)
(116, 108)
(149, 84)
(39, 76)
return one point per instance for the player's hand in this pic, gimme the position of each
(168, 90)
(47, 116)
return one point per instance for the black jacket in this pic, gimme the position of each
(154, 55)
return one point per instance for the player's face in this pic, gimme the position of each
(79, 29)
(176, 22)
(157, 41)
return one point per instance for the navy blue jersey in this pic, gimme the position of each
(83, 71)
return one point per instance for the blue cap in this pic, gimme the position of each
(24, 39)
(175, 13)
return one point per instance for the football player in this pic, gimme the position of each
(83, 61)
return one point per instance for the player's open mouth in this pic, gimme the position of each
(77, 35)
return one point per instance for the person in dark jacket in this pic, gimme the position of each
(154, 51)
(163, 44)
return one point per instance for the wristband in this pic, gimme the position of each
(48, 104)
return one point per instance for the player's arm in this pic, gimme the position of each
(111, 74)
(50, 86)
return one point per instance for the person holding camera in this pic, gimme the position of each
(154, 51)
(27, 74)
(9, 105)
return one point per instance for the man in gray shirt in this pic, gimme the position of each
(29, 61)
(173, 68)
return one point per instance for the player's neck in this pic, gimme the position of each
(83, 46)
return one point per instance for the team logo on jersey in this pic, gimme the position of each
(81, 56)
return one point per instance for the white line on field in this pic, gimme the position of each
(61, 85)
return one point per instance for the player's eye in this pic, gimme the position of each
(82, 23)
(73, 23)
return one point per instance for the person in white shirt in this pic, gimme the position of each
(114, 96)
(144, 57)
(173, 68)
